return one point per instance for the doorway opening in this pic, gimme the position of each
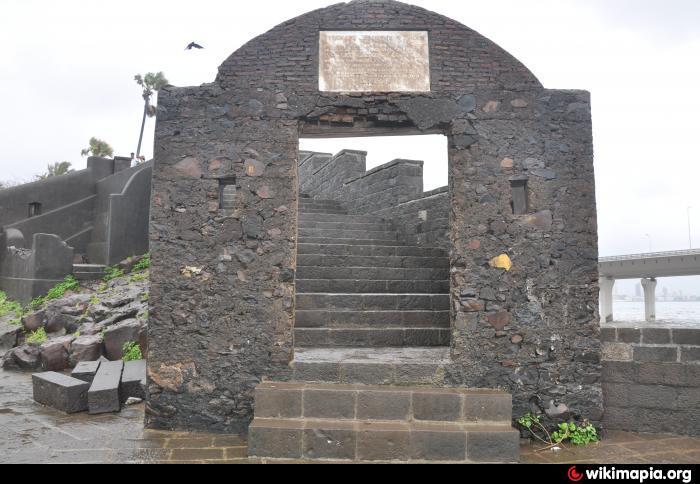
(373, 244)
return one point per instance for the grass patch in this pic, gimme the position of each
(8, 306)
(143, 264)
(132, 351)
(37, 337)
(112, 273)
(70, 283)
(141, 276)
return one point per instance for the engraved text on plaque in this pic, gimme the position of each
(374, 61)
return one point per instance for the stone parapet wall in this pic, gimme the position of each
(651, 379)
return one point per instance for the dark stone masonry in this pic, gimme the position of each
(520, 214)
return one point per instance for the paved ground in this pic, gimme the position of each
(34, 434)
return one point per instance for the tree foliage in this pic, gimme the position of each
(98, 148)
(56, 169)
(150, 83)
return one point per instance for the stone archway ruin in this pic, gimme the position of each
(523, 261)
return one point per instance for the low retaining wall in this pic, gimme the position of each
(651, 378)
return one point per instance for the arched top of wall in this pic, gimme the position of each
(286, 57)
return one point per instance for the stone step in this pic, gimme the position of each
(363, 286)
(296, 400)
(304, 204)
(372, 261)
(372, 366)
(364, 226)
(404, 442)
(372, 319)
(372, 302)
(370, 250)
(371, 337)
(321, 217)
(349, 234)
(373, 273)
(301, 420)
(340, 241)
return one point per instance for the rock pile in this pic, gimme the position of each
(82, 326)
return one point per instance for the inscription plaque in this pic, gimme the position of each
(374, 61)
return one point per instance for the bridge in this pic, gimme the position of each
(647, 268)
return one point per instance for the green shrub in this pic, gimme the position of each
(70, 283)
(143, 264)
(582, 434)
(132, 352)
(8, 307)
(37, 337)
(112, 273)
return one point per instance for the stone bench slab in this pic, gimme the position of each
(103, 396)
(61, 392)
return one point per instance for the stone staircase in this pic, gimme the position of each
(301, 421)
(372, 337)
(88, 272)
(358, 286)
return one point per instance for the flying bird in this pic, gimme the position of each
(193, 45)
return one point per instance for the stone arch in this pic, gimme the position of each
(523, 282)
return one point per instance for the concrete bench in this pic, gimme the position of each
(61, 392)
(103, 396)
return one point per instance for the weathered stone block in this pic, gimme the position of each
(608, 335)
(278, 439)
(86, 348)
(617, 352)
(103, 396)
(119, 334)
(32, 322)
(54, 353)
(337, 442)
(656, 336)
(493, 446)
(60, 392)
(133, 383)
(383, 442)
(619, 372)
(437, 406)
(277, 401)
(656, 353)
(673, 374)
(690, 354)
(438, 443)
(86, 371)
(629, 335)
(686, 336)
(383, 405)
(489, 407)
(329, 404)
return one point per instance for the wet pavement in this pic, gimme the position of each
(33, 434)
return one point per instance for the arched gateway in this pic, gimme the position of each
(522, 229)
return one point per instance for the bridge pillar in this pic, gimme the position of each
(649, 286)
(606, 299)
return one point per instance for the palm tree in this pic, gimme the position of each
(98, 148)
(56, 169)
(150, 84)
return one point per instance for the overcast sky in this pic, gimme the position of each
(67, 67)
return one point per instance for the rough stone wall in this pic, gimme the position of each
(423, 221)
(222, 287)
(651, 379)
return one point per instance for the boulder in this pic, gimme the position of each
(85, 348)
(117, 335)
(54, 353)
(9, 334)
(26, 357)
(36, 320)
